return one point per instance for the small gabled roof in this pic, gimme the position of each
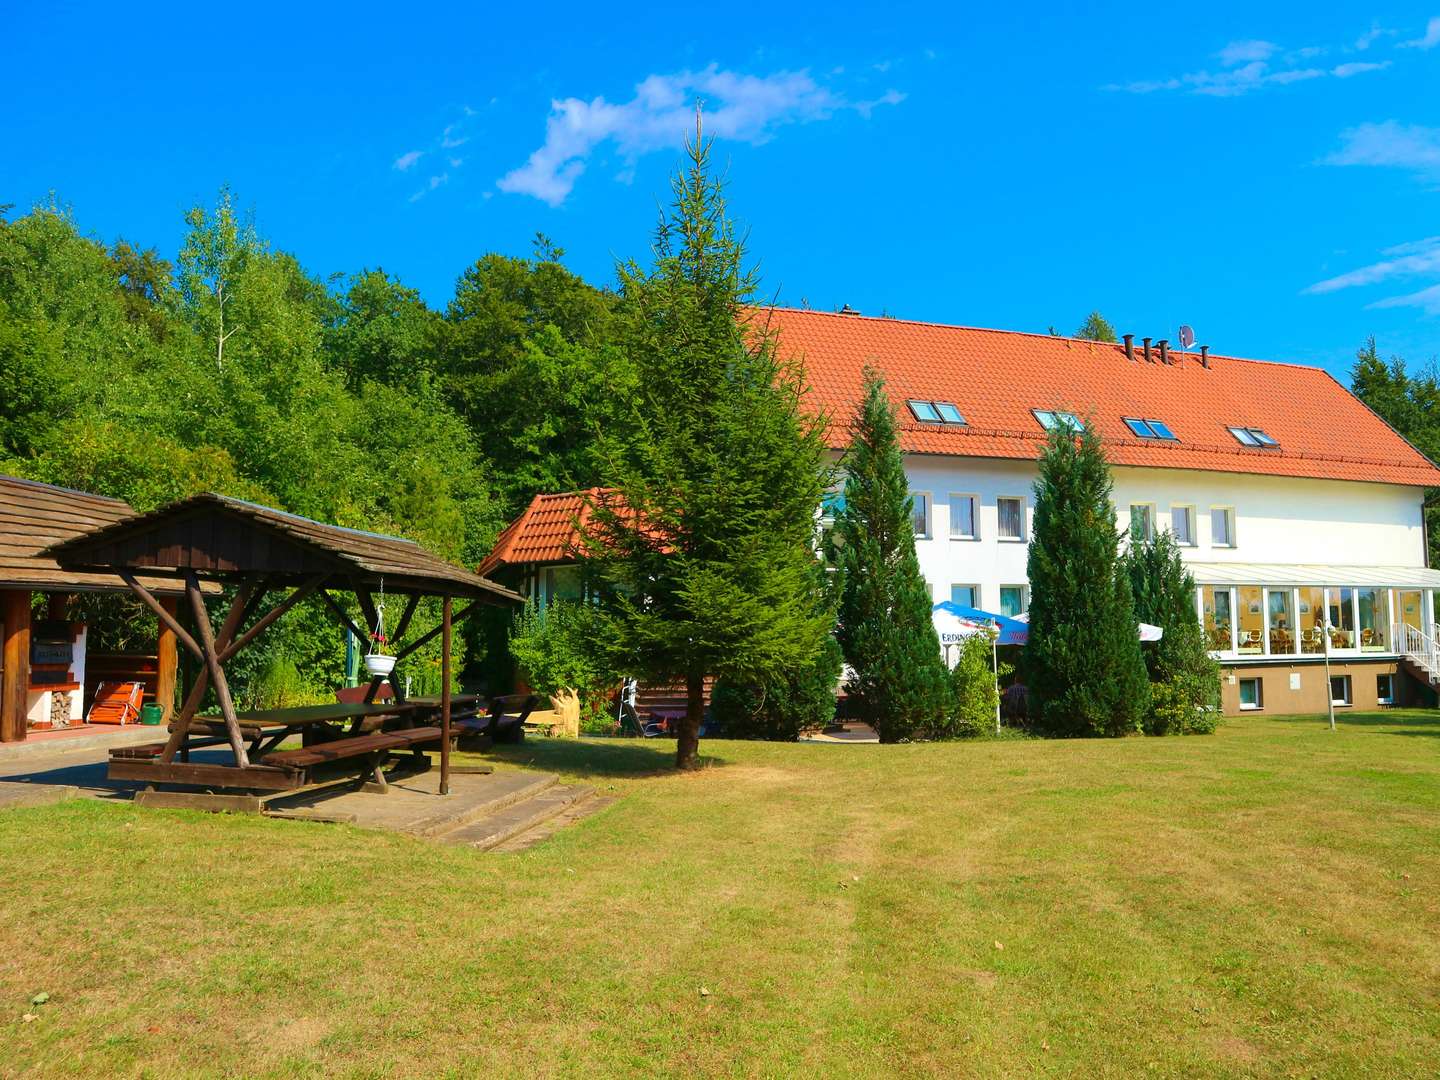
(547, 531)
(34, 517)
(998, 378)
(221, 537)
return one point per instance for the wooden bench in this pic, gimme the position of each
(379, 743)
(508, 713)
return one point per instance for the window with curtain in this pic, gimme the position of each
(1011, 512)
(962, 517)
(920, 513)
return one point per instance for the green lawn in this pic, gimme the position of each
(1262, 902)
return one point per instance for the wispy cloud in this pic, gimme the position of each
(430, 185)
(1250, 64)
(744, 108)
(1428, 40)
(1419, 258)
(1391, 144)
(406, 161)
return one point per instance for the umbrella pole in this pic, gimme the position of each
(995, 667)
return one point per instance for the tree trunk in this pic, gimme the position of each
(687, 743)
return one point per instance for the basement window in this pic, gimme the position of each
(1050, 419)
(1252, 437)
(1149, 429)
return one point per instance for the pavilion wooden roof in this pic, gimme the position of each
(35, 517)
(223, 538)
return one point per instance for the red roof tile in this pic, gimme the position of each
(997, 377)
(545, 532)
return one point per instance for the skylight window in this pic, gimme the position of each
(1149, 429)
(936, 412)
(1252, 437)
(1051, 419)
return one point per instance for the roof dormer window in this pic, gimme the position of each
(936, 412)
(1253, 437)
(1051, 419)
(1149, 429)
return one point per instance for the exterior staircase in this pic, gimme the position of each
(1421, 652)
(523, 809)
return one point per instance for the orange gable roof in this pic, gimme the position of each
(997, 377)
(546, 531)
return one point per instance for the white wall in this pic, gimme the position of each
(1277, 519)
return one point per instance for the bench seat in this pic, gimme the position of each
(339, 749)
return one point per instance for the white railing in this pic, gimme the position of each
(1420, 647)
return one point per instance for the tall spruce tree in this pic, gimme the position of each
(900, 686)
(1082, 663)
(1184, 677)
(705, 559)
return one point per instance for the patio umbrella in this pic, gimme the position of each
(1012, 631)
(1147, 632)
(963, 622)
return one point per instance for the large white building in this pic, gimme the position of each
(1290, 498)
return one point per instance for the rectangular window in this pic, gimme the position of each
(1340, 689)
(1222, 526)
(1012, 600)
(1219, 620)
(949, 413)
(1282, 622)
(1011, 512)
(1182, 524)
(1050, 420)
(1161, 430)
(1142, 522)
(1251, 617)
(920, 513)
(1385, 689)
(1253, 437)
(965, 595)
(1252, 694)
(1149, 429)
(962, 517)
(1374, 607)
(1310, 619)
(1340, 608)
(925, 412)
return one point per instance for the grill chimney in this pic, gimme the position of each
(1130, 347)
(1146, 342)
(1164, 351)
(1205, 355)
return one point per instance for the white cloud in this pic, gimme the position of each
(1374, 34)
(1427, 40)
(405, 161)
(1428, 299)
(1249, 64)
(745, 108)
(1244, 52)
(433, 183)
(1391, 144)
(1402, 260)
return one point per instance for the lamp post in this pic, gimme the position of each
(1329, 693)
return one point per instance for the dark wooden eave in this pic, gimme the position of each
(221, 538)
(35, 517)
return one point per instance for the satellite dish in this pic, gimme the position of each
(1187, 337)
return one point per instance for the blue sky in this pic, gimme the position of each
(1268, 174)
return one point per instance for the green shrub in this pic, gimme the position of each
(782, 709)
(972, 688)
(554, 648)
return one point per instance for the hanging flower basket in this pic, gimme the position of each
(379, 663)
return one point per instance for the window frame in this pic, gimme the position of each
(959, 420)
(928, 534)
(1253, 437)
(1024, 523)
(1230, 521)
(1057, 418)
(916, 404)
(974, 594)
(1151, 531)
(1349, 685)
(1024, 598)
(974, 533)
(1259, 704)
(1388, 698)
(1165, 433)
(1189, 508)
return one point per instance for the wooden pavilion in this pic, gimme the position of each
(34, 517)
(261, 552)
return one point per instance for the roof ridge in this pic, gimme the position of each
(42, 485)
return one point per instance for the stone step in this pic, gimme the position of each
(22, 794)
(502, 790)
(519, 817)
(577, 810)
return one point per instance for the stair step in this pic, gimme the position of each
(505, 789)
(581, 808)
(489, 832)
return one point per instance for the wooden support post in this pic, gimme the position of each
(244, 603)
(445, 698)
(217, 673)
(57, 606)
(15, 685)
(167, 658)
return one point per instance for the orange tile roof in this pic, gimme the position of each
(545, 532)
(997, 377)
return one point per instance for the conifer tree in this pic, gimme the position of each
(704, 560)
(900, 686)
(1184, 677)
(1082, 664)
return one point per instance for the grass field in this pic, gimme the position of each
(1262, 902)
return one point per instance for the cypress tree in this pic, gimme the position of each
(900, 686)
(1184, 677)
(705, 564)
(1083, 667)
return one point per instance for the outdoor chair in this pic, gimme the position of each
(116, 703)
